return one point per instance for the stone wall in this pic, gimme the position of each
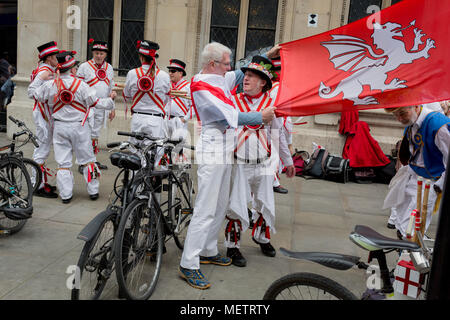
(181, 27)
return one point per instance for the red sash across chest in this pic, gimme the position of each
(145, 84)
(179, 101)
(40, 105)
(67, 97)
(243, 106)
(100, 74)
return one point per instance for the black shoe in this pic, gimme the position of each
(46, 193)
(399, 235)
(80, 169)
(236, 257)
(93, 196)
(266, 248)
(390, 226)
(101, 166)
(280, 189)
(66, 201)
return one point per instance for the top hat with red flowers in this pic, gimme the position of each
(148, 48)
(66, 60)
(262, 67)
(47, 49)
(98, 45)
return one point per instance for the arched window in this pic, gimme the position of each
(244, 25)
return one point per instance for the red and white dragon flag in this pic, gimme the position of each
(393, 58)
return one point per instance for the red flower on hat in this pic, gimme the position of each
(91, 41)
(138, 44)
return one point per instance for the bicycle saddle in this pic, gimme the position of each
(126, 160)
(370, 240)
(330, 260)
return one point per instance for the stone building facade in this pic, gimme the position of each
(183, 28)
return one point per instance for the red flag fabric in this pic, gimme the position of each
(396, 57)
(362, 149)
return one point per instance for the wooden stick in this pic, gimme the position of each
(419, 203)
(425, 206)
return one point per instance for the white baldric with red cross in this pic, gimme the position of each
(182, 104)
(43, 107)
(101, 74)
(66, 97)
(145, 85)
(262, 141)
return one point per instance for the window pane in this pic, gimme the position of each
(133, 9)
(225, 12)
(227, 37)
(101, 9)
(395, 1)
(263, 14)
(358, 8)
(131, 32)
(258, 39)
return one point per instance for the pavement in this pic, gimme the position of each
(315, 215)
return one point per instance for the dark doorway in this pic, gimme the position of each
(8, 55)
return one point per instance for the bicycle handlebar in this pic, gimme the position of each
(25, 131)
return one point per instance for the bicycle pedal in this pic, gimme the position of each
(187, 211)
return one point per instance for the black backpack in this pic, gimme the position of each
(337, 169)
(316, 164)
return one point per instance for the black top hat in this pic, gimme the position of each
(276, 64)
(263, 67)
(178, 65)
(66, 60)
(148, 48)
(47, 49)
(98, 45)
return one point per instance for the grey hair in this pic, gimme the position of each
(213, 51)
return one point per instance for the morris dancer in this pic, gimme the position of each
(210, 90)
(42, 114)
(179, 107)
(98, 74)
(424, 149)
(70, 101)
(255, 169)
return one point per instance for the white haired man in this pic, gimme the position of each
(212, 103)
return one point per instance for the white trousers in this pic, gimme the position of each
(209, 213)
(252, 183)
(99, 121)
(402, 197)
(44, 137)
(72, 138)
(176, 129)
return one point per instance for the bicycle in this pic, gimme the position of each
(97, 260)
(148, 223)
(32, 167)
(16, 190)
(303, 285)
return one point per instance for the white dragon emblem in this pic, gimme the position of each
(354, 55)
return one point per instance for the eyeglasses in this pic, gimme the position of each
(225, 64)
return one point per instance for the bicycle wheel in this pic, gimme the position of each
(138, 250)
(35, 172)
(307, 286)
(184, 210)
(15, 180)
(93, 263)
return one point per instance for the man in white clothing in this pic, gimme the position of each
(255, 170)
(210, 90)
(42, 115)
(70, 101)
(98, 74)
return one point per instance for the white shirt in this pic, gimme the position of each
(146, 104)
(179, 106)
(84, 95)
(87, 73)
